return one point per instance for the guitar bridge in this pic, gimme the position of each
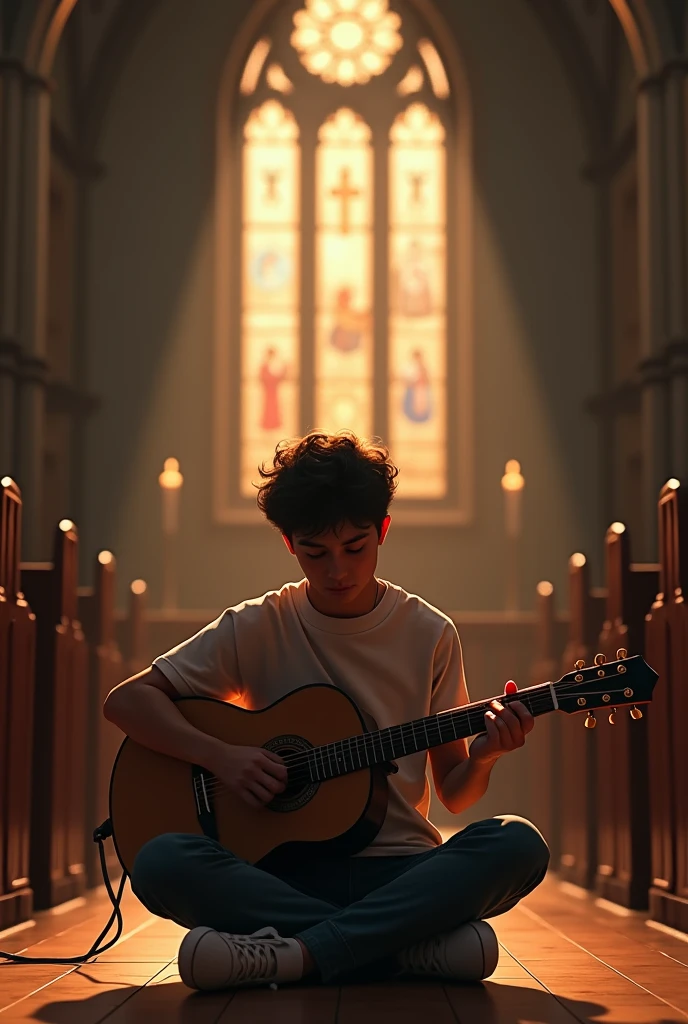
(205, 811)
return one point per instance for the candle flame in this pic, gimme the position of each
(513, 479)
(170, 478)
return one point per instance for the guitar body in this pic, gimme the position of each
(151, 793)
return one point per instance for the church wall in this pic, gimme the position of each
(150, 318)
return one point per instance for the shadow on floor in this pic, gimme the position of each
(487, 1003)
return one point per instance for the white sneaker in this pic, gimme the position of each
(209, 959)
(468, 953)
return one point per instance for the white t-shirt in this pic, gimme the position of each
(399, 662)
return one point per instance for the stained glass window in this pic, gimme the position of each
(417, 316)
(344, 275)
(270, 327)
(338, 297)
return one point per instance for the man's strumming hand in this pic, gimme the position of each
(254, 774)
(506, 728)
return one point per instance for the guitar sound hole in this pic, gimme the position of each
(300, 790)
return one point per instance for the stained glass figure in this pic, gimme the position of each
(413, 281)
(272, 372)
(417, 391)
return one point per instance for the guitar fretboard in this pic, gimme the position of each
(371, 748)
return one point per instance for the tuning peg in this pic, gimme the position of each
(600, 659)
(621, 654)
(579, 664)
(590, 721)
(612, 717)
(636, 713)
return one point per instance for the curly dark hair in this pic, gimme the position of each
(320, 481)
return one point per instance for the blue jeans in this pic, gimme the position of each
(353, 914)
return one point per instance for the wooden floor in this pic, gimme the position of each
(564, 958)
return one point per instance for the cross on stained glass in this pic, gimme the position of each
(271, 179)
(345, 192)
(416, 181)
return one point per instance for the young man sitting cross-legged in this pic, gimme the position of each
(407, 903)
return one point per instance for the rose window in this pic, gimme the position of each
(346, 41)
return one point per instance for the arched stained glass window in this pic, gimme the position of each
(343, 249)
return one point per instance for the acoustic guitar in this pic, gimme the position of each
(337, 762)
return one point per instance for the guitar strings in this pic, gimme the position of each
(308, 759)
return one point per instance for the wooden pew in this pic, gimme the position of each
(17, 642)
(623, 864)
(666, 631)
(543, 743)
(58, 819)
(103, 739)
(578, 861)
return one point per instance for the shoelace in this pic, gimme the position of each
(256, 955)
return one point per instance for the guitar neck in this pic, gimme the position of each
(371, 748)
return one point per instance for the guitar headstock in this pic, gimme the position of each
(606, 684)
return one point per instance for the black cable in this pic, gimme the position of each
(103, 831)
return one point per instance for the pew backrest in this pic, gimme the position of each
(17, 650)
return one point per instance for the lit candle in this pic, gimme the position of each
(512, 485)
(170, 481)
